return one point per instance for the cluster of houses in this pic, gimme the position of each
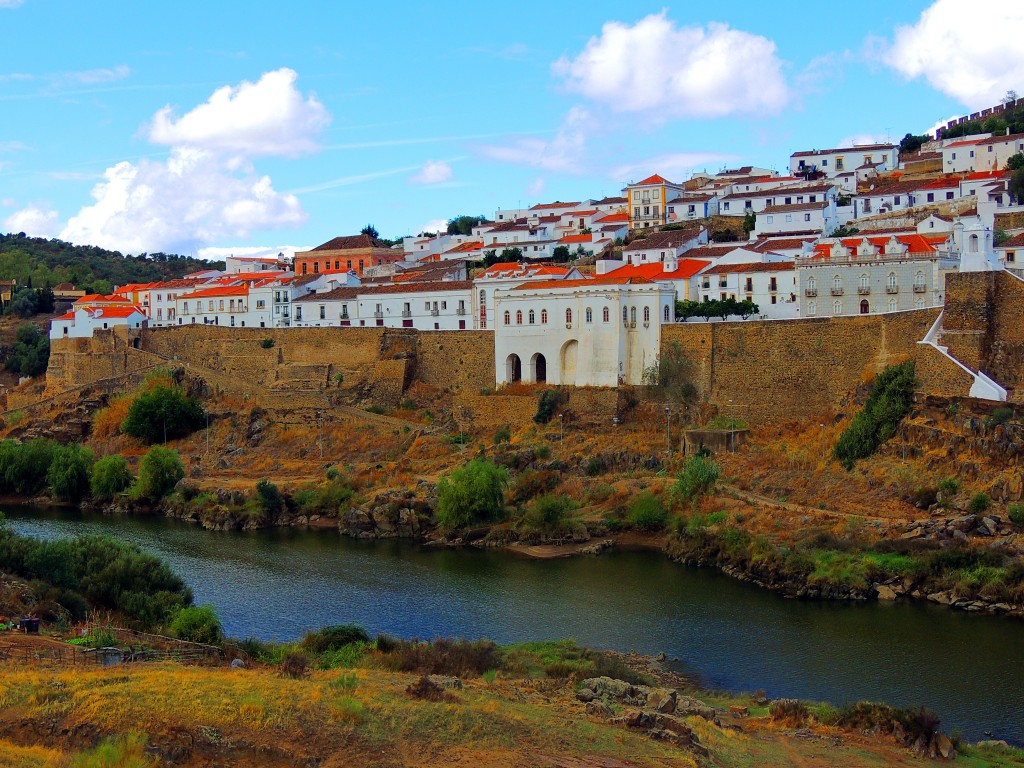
(856, 230)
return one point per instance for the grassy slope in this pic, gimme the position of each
(257, 718)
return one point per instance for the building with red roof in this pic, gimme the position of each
(84, 320)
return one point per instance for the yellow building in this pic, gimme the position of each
(647, 201)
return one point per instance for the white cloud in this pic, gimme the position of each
(858, 139)
(178, 205)
(434, 225)
(33, 220)
(432, 172)
(655, 67)
(13, 146)
(10, 3)
(536, 187)
(269, 117)
(562, 154)
(95, 76)
(217, 253)
(970, 53)
(673, 166)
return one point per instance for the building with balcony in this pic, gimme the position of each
(648, 201)
(870, 275)
(834, 162)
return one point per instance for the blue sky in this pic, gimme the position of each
(231, 125)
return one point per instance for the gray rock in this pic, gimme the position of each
(237, 664)
(446, 682)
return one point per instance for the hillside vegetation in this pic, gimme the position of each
(40, 263)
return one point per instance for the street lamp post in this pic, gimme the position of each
(668, 429)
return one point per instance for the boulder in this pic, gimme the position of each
(599, 709)
(662, 700)
(445, 682)
(885, 592)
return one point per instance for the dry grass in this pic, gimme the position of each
(14, 756)
(107, 423)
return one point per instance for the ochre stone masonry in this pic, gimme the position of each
(771, 371)
(791, 369)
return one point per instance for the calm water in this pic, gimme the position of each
(275, 584)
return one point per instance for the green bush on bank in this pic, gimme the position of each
(69, 471)
(890, 400)
(163, 413)
(471, 494)
(96, 572)
(198, 624)
(159, 471)
(110, 476)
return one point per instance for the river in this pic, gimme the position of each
(275, 584)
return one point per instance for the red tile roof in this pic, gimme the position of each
(914, 243)
(116, 311)
(1017, 241)
(795, 207)
(851, 150)
(221, 290)
(594, 282)
(672, 238)
(95, 298)
(577, 239)
(756, 266)
(613, 217)
(472, 245)
(556, 204)
(350, 242)
(685, 269)
(655, 179)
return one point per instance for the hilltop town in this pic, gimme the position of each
(582, 293)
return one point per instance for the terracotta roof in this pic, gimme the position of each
(756, 266)
(66, 316)
(556, 204)
(221, 290)
(795, 207)
(693, 197)
(612, 217)
(113, 312)
(915, 243)
(713, 251)
(345, 293)
(655, 179)
(894, 188)
(1017, 241)
(577, 239)
(672, 238)
(472, 245)
(981, 175)
(611, 201)
(64, 287)
(784, 243)
(655, 271)
(945, 183)
(94, 298)
(594, 282)
(783, 191)
(854, 149)
(350, 242)
(422, 287)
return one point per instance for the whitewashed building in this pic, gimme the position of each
(598, 332)
(768, 280)
(833, 162)
(818, 218)
(83, 321)
(665, 245)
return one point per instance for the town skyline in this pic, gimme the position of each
(273, 137)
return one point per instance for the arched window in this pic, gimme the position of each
(837, 283)
(892, 280)
(590, 314)
(543, 317)
(519, 317)
(625, 314)
(483, 297)
(666, 313)
(973, 244)
(532, 317)
(568, 315)
(811, 308)
(837, 308)
(632, 314)
(508, 317)
(892, 305)
(865, 308)
(919, 280)
(920, 303)
(606, 315)
(864, 281)
(647, 314)
(810, 284)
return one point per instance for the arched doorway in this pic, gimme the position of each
(569, 352)
(540, 368)
(513, 368)
(864, 307)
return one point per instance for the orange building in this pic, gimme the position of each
(345, 254)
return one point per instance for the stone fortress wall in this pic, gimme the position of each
(761, 371)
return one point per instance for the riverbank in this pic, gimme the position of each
(448, 703)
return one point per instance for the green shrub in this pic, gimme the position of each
(31, 352)
(269, 496)
(473, 493)
(594, 466)
(647, 513)
(532, 483)
(333, 638)
(159, 471)
(267, 343)
(699, 476)
(980, 502)
(548, 404)
(950, 486)
(163, 413)
(198, 624)
(1016, 513)
(124, 751)
(327, 499)
(890, 400)
(68, 474)
(998, 416)
(110, 476)
(503, 435)
(549, 514)
(24, 466)
(543, 452)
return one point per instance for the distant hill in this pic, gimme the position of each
(39, 263)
